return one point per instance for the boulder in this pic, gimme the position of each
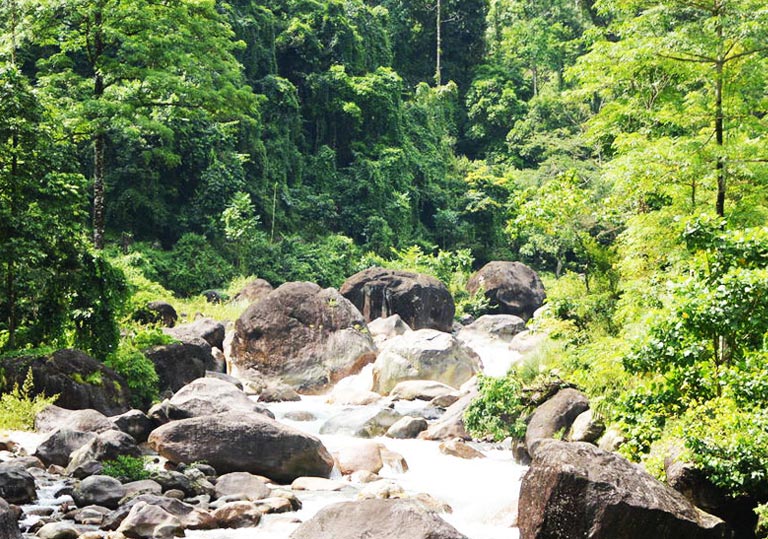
(151, 522)
(134, 422)
(17, 485)
(383, 329)
(207, 396)
(254, 291)
(586, 428)
(189, 517)
(208, 329)
(318, 484)
(54, 417)
(57, 447)
(364, 456)
(143, 486)
(424, 390)
(106, 446)
(158, 311)
(420, 300)
(79, 380)
(99, 490)
(179, 363)
(555, 416)
(459, 448)
(491, 336)
(407, 428)
(226, 377)
(239, 514)
(279, 392)
(425, 354)
(304, 336)
(577, 487)
(243, 484)
(501, 327)
(243, 442)
(9, 527)
(382, 519)
(512, 287)
(366, 422)
(451, 423)
(58, 530)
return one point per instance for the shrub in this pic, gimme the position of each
(138, 371)
(18, 409)
(498, 410)
(126, 469)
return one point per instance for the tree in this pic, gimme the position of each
(129, 65)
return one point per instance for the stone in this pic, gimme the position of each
(243, 484)
(425, 354)
(444, 401)
(318, 484)
(240, 514)
(135, 423)
(586, 428)
(58, 530)
(143, 486)
(304, 336)
(189, 517)
(208, 329)
(393, 460)
(54, 417)
(90, 515)
(173, 480)
(407, 427)
(99, 490)
(366, 422)
(459, 448)
(179, 363)
(9, 527)
(300, 415)
(225, 377)
(17, 485)
(80, 381)
(491, 336)
(108, 445)
(254, 291)
(157, 311)
(554, 417)
(502, 327)
(451, 423)
(207, 396)
(263, 446)
(279, 392)
(383, 329)
(512, 287)
(611, 440)
(574, 489)
(425, 390)
(360, 456)
(150, 521)
(382, 519)
(420, 300)
(57, 447)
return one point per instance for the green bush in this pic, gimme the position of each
(138, 371)
(126, 469)
(498, 411)
(762, 521)
(18, 409)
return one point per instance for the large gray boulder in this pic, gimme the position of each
(99, 490)
(106, 446)
(420, 300)
(57, 447)
(425, 354)
(208, 329)
(243, 442)
(574, 489)
(554, 417)
(380, 519)
(207, 396)
(16, 484)
(178, 364)
(9, 527)
(304, 336)
(512, 287)
(365, 422)
(53, 417)
(254, 291)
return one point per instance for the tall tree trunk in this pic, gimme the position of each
(99, 141)
(439, 51)
(719, 129)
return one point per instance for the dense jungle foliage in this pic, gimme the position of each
(152, 150)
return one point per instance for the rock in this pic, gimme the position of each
(360, 456)
(611, 440)
(158, 311)
(225, 377)
(189, 517)
(383, 329)
(362, 422)
(242, 514)
(491, 336)
(425, 354)
(554, 416)
(420, 300)
(99, 490)
(407, 427)
(279, 392)
(577, 487)
(151, 522)
(208, 329)
(53, 417)
(254, 291)
(459, 448)
(513, 287)
(207, 396)
(243, 484)
(17, 485)
(58, 530)
(300, 415)
(304, 336)
(90, 515)
(502, 327)
(586, 428)
(451, 424)
(363, 477)
(382, 519)
(264, 446)
(80, 381)
(57, 447)
(444, 401)
(170, 480)
(381, 490)
(143, 486)
(106, 446)
(425, 390)
(393, 460)
(318, 484)
(352, 396)
(9, 527)
(135, 423)
(179, 363)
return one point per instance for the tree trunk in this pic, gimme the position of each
(99, 141)
(719, 129)
(438, 68)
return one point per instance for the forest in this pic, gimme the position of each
(158, 150)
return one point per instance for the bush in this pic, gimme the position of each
(126, 469)
(139, 373)
(498, 410)
(18, 409)
(762, 521)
